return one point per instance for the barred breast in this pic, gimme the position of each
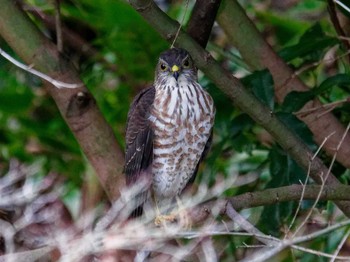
(182, 117)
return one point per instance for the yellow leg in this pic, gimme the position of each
(179, 216)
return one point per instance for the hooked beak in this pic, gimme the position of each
(175, 69)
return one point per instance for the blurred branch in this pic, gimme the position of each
(29, 256)
(202, 20)
(275, 245)
(243, 34)
(44, 223)
(77, 106)
(239, 95)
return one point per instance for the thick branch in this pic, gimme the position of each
(242, 98)
(202, 20)
(269, 197)
(289, 193)
(77, 106)
(258, 54)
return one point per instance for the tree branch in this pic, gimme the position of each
(258, 54)
(77, 106)
(335, 21)
(202, 20)
(242, 98)
(289, 193)
(269, 196)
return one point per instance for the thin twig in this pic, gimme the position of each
(305, 183)
(181, 24)
(324, 179)
(319, 253)
(312, 65)
(266, 253)
(342, 5)
(58, 22)
(345, 237)
(31, 70)
(321, 232)
(324, 106)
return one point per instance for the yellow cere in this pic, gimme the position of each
(175, 68)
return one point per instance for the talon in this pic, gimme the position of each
(162, 219)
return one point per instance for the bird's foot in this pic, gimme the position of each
(180, 218)
(163, 219)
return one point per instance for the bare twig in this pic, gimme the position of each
(344, 239)
(59, 37)
(315, 64)
(326, 107)
(305, 183)
(43, 76)
(268, 252)
(27, 256)
(324, 178)
(181, 24)
(342, 5)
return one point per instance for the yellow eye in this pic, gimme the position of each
(186, 64)
(163, 67)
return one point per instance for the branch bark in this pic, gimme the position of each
(202, 20)
(259, 55)
(270, 196)
(77, 106)
(242, 98)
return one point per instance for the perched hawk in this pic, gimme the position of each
(168, 132)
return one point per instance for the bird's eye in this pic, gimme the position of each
(186, 64)
(163, 67)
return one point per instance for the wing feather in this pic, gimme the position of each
(139, 146)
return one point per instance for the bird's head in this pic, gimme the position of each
(175, 63)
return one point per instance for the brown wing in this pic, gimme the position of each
(139, 145)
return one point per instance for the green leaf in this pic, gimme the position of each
(15, 98)
(337, 80)
(240, 123)
(286, 27)
(274, 217)
(294, 101)
(284, 171)
(310, 45)
(298, 127)
(261, 83)
(240, 133)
